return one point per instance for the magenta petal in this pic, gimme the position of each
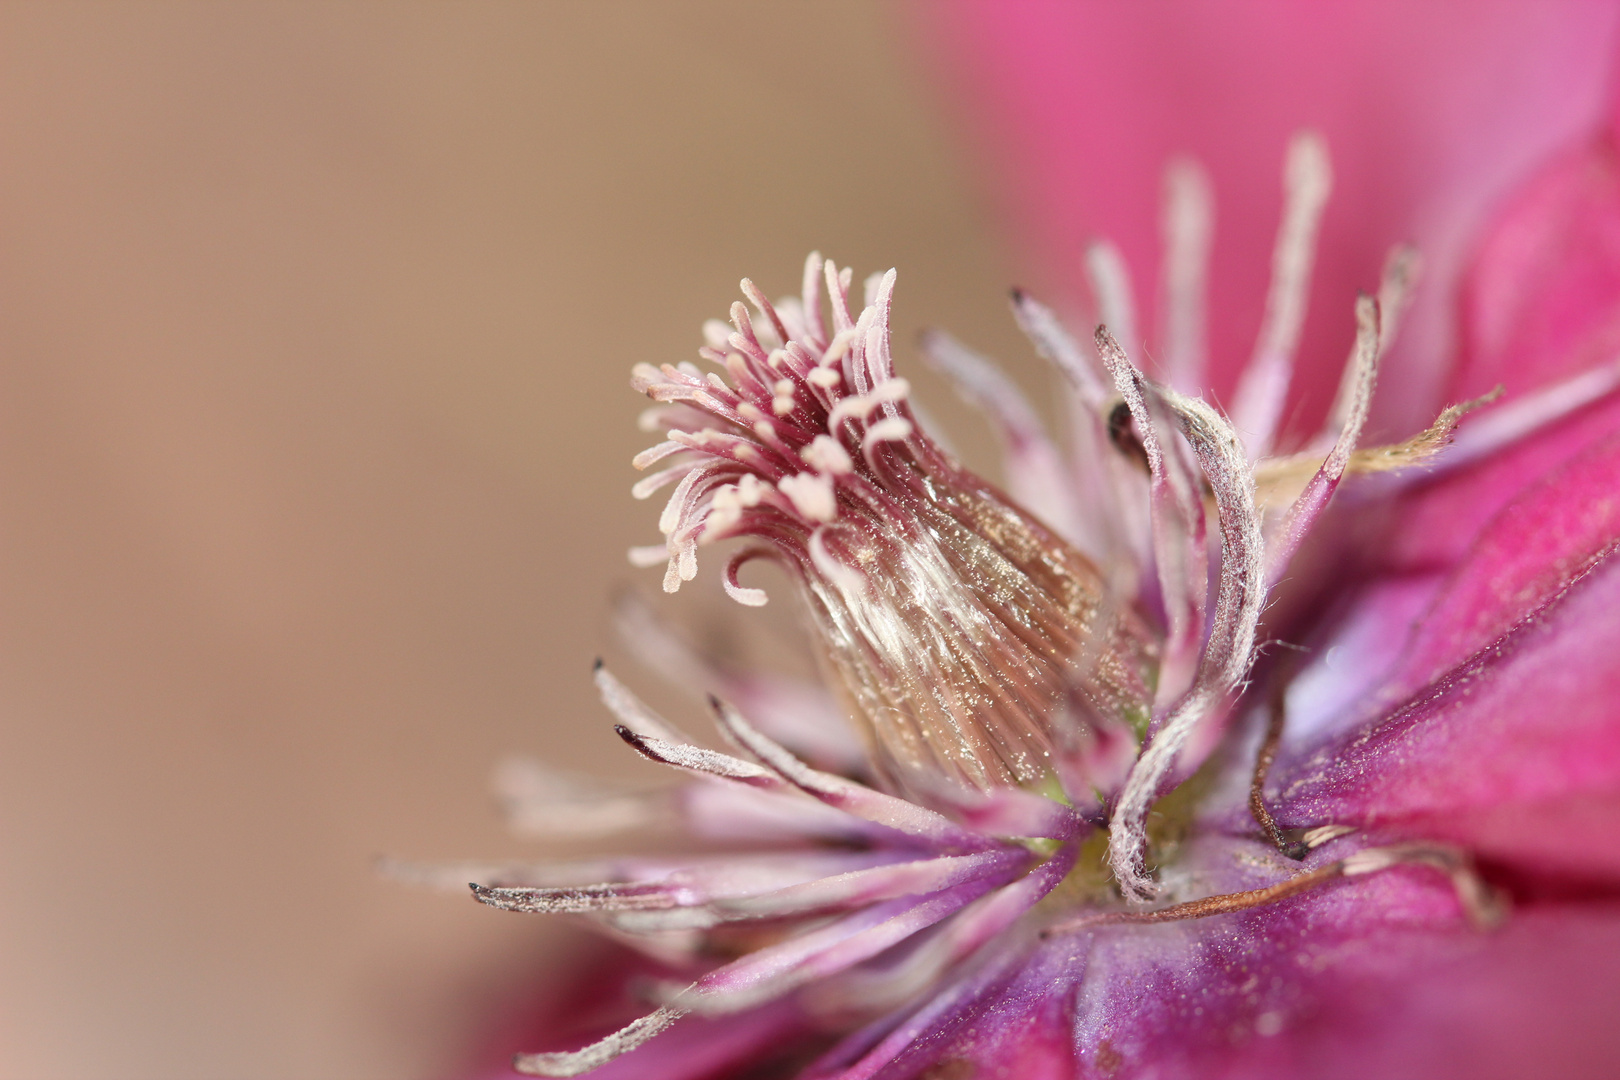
(1528, 724)
(1437, 523)
(1521, 560)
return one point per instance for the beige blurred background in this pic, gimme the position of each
(315, 325)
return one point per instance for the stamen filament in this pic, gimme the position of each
(1483, 905)
(1187, 225)
(1262, 767)
(1110, 282)
(1261, 393)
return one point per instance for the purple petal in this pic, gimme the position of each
(1409, 628)
(1378, 976)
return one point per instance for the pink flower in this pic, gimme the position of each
(1087, 823)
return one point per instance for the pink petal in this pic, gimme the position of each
(1431, 111)
(1514, 753)
(1437, 523)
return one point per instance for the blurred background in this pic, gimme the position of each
(315, 331)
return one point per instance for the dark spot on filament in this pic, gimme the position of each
(1122, 433)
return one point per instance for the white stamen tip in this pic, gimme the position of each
(1309, 172)
(647, 486)
(839, 346)
(655, 454)
(893, 429)
(738, 592)
(725, 510)
(891, 390)
(812, 495)
(716, 333)
(825, 455)
(745, 596)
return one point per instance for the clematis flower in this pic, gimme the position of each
(1210, 747)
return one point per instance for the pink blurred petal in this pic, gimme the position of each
(1543, 293)
(1432, 112)
(701, 1047)
(590, 1000)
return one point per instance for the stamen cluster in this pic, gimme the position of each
(975, 645)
